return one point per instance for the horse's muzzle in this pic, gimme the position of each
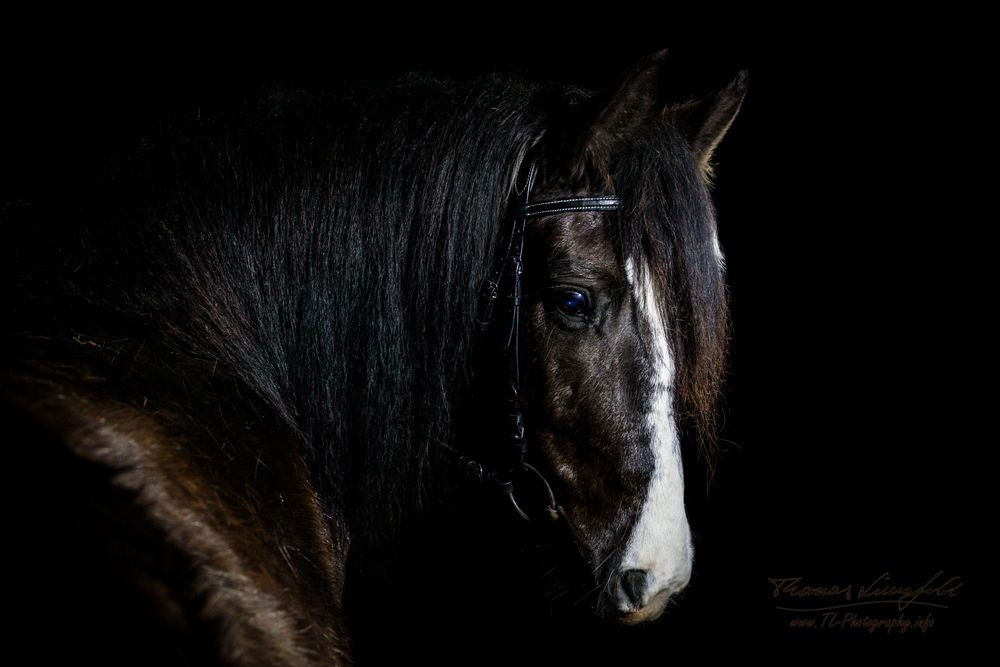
(640, 597)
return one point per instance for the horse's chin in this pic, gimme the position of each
(650, 612)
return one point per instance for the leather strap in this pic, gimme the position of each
(508, 266)
(571, 205)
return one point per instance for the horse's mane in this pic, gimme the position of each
(326, 249)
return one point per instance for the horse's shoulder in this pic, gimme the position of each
(188, 523)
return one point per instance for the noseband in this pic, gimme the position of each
(507, 269)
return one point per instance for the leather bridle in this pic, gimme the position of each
(507, 268)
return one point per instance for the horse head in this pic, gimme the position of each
(626, 329)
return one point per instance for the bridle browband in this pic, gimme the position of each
(507, 267)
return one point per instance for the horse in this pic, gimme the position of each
(251, 353)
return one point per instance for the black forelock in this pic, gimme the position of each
(667, 219)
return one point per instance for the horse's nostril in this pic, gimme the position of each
(632, 587)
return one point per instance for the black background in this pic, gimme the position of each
(851, 426)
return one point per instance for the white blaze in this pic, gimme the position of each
(661, 540)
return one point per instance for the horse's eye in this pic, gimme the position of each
(572, 302)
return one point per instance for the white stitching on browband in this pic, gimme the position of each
(572, 204)
(611, 199)
(547, 211)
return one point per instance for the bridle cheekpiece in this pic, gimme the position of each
(507, 268)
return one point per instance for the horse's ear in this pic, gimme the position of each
(631, 109)
(704, 122)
